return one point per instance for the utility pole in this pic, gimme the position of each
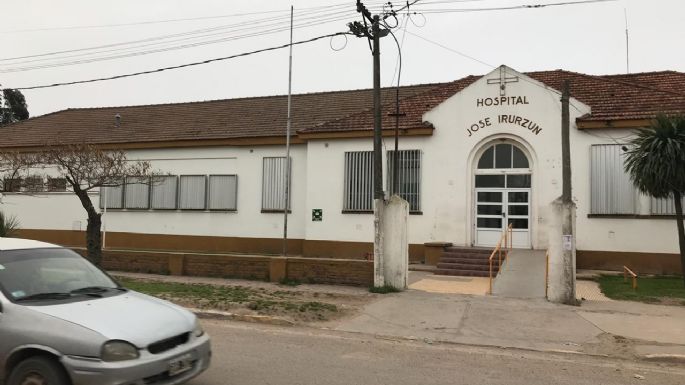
(568, 207)
(286, 188)
(361, 30)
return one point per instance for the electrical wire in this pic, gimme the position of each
(163, 21)
(183, 65)
(117, 55)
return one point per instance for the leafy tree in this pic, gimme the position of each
(13, 106)
(85, 168)
(656, 164)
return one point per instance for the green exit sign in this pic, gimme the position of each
(317, 215)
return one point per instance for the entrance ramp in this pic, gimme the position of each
(522, 275)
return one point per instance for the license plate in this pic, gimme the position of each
(180, 365)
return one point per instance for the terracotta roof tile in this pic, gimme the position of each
(611, 97)
(219, 119)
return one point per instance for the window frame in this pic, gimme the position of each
(180, 196)
(364, 187)
(265, 210)
(208, 193)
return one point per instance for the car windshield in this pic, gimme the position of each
(50, 273)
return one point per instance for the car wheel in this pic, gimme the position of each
(38, 371)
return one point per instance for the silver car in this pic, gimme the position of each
(63, 321)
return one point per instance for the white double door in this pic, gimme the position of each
(495, 209)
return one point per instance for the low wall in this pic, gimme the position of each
(275, 269)
(207, 244)
(640, 263)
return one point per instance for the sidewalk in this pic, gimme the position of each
(430, 311)
(618, 329)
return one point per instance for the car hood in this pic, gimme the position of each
(131, 316)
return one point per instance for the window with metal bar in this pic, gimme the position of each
(408, 175)
(137, 193)
(164, 192)
(358, 188)
(223, 192)
(273, 184)
(192, 192)
(12, 184)
(612, 191)
(57, 184)
(664, 206)
(114, 196)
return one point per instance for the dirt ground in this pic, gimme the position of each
(297, 303)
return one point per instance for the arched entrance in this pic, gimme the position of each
(503, 180)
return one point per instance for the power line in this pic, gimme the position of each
(149, 22)
(510, 8)
(184, 65)
(120, 54)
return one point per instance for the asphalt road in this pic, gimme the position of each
(247, 354)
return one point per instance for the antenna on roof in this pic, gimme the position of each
(625, 15)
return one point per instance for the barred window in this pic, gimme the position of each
(192, 192)
(612, 190)
(273, 184)
(358, 193)
(34, 184)
(409, 176)
(137, 193)
(12, 184)
(223, 192)
(164, 191)
(114, 196)
(57, 184)
(664, 206)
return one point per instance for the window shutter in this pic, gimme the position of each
(358, 193)
(612, 190)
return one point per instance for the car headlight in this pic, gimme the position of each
(198, 332)
(119, 351)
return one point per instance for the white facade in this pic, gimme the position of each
(466, 124)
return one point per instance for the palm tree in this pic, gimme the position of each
(8, 225)
(656, 164)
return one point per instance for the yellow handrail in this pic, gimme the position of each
(506, 238)
(627, 271)
(546, 272)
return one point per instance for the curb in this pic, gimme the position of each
(260, 319)
(668, 358)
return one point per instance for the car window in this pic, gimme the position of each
(30, 272)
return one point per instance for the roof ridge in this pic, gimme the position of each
(366, 110)
(606, 79)
(649, 87)
(238, 98)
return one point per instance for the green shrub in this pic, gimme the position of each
(384, 289)
(8, 225)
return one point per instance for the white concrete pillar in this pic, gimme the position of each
(395, 242)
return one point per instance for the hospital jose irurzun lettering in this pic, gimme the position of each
(503, 118)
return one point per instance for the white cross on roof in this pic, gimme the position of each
(502, 80)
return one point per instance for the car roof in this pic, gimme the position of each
(18, 244)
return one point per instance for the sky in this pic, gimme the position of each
(442, 40)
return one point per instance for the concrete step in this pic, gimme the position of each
(464, 255)
(463, 273)
(471, 250)
(459, 266)
(468, 261)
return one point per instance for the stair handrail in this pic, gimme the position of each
(506, 237)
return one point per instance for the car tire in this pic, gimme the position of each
(38, 371)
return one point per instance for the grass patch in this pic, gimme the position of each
(649, 289)
(385, 289)
(290, 282)
(259, 300)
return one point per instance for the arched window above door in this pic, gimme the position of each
(503, 156)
